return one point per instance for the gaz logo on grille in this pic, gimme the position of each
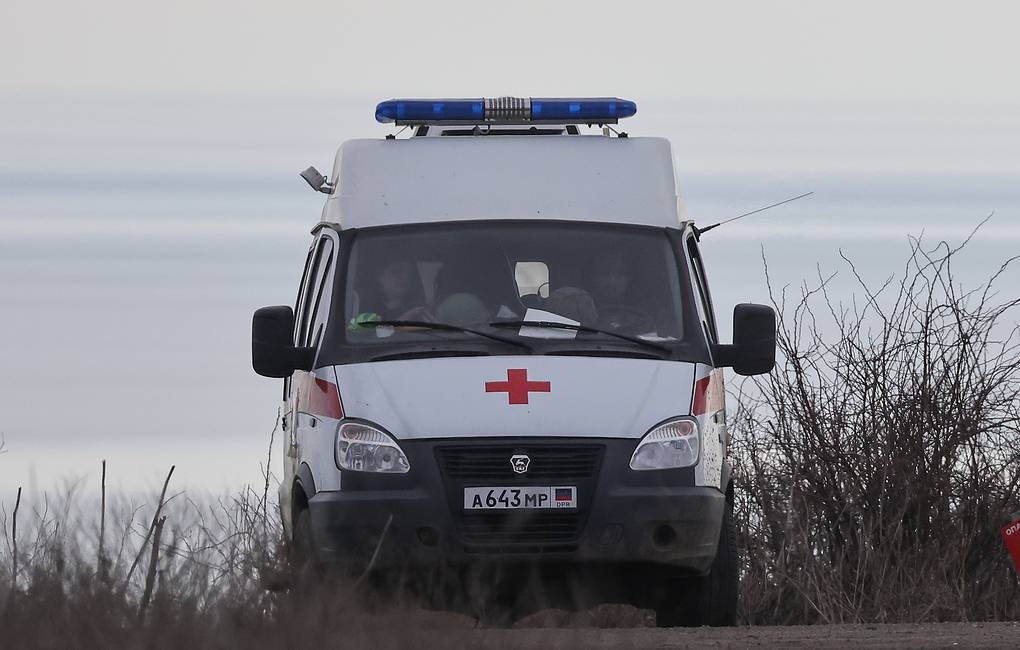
(520, 463)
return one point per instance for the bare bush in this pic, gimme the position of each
(881, 457)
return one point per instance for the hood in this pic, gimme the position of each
(516, 396)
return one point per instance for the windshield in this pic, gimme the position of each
(484, 276)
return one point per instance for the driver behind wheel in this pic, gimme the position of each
(395, 292)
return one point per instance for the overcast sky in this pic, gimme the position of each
(958, 52)
(172, 127)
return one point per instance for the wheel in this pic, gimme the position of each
(711, 599)
(723, 582)
(303, 563)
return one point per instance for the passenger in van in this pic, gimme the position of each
(395, 292)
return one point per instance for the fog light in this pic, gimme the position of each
(664, 536)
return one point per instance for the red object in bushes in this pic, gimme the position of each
(1011, 535)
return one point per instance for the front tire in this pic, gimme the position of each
(711, 599)
(303, 563)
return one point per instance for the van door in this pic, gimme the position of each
(309, 293)
(306, 387)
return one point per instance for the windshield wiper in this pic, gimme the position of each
(581, 328)
(446, 327)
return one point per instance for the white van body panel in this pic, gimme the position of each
(714, 428)
(588, 397)
(308, 434)
(576, 178)
(446, 398)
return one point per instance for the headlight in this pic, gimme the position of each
(670, 445)
(363, 448)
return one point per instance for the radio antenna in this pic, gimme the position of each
(699, 231)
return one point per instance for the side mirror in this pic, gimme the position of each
(754, 341)
(273, 353)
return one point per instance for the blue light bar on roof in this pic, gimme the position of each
(505, 110)
(590, 111)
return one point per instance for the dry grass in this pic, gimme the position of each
(202, 583)
(218, 582)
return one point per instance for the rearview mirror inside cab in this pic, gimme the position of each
(753, 351)
(532, 280)
(273, 353)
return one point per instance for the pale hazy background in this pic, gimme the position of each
(149, 197)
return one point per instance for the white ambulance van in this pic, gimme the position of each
(503, 362)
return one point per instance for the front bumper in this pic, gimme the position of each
(417, 519)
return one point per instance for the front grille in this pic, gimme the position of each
(487, 463)
(520, 531)
(519, 527)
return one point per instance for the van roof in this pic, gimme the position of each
(576, 178)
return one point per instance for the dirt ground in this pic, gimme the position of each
(920, 636)
(936, 635)
(619, 627)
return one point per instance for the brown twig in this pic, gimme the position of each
(150, 576)
(101, 559)
(268, 472)
(152, 526)
(14, 540)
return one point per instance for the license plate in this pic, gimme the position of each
(529, 497)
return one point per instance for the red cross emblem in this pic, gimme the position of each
(517, 387)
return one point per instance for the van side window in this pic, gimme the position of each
(302, 288)
(324, 293)
(313, 289)
(298, 305)
(701, 283)
(301, 306)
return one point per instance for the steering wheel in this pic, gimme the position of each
(624, 317)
